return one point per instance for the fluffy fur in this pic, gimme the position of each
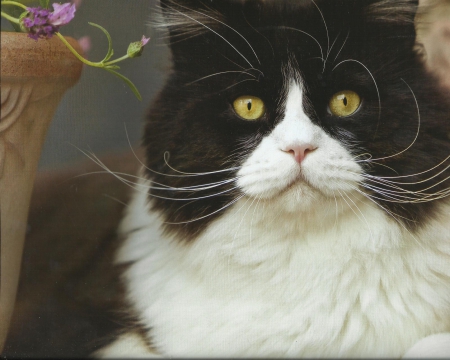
(235, 248)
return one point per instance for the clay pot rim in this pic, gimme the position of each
(22, 57)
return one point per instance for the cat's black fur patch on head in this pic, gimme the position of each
(224, 49)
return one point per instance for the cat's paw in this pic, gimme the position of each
(434, 346)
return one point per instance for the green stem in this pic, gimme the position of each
(116, 60)
(79, 57)
(10, 18)
(14, 3)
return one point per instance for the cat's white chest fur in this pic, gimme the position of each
(252, 285)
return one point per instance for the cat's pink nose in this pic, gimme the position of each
(299, 151)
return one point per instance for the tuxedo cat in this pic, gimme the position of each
(294, 199)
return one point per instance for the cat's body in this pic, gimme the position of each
(300, 232)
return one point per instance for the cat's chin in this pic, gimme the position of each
(297, 196)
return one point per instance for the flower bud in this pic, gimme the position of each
(135, 49)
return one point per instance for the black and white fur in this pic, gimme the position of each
(235, 248)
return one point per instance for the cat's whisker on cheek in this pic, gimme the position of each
(364, 219)
(418, 126)
(208, 215)
(416, 174)
(166, 160)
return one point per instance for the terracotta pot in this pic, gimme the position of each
(34, 77)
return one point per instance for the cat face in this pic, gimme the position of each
(294, 102)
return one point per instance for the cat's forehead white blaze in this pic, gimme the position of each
(296, 128)
(274, 166)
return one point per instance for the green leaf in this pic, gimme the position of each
(108, 36)
(128, 82)
(44, 3)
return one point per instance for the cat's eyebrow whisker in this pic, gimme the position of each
(215, 32)
(328, 35)
(329, 52)
(208, 215)
(221, 73)
(375, 82)
(228, 26)
(340, 50)
(304, 32)
(418, 127)
(239, 82)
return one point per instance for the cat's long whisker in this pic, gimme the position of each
(304, 32)
(362, 214)
(384, 180)
(205, 216)
(411, 175)
(419, 193)
(167, 155)
(369, 197)
(399, 196)
(387, 197)
(185, 174)
(329, 52)
(342, 47)
(136, 186)
(215, 32)
(239, 82)
(375, 82)
(377, 163)
(163, 187)
(418, 127)
(221, 73)
(326, 29)
(393, 216)
(228, 26)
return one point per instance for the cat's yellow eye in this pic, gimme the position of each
(344, 103)
(249, 107)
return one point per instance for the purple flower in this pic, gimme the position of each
(62, 14)
(144, 40)
(41, 23)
